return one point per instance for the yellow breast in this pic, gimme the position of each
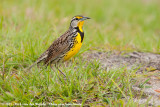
(76, 47)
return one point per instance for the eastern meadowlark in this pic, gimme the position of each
(66, 46)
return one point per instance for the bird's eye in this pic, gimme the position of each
(76, 18)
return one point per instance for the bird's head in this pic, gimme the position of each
(78, 21)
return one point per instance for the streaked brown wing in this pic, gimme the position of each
(56, 51)
(58, 47)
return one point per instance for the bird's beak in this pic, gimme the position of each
(84, 18)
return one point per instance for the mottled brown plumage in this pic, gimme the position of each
(65, 43)
(58, 48)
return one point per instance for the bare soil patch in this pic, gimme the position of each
(144, 63)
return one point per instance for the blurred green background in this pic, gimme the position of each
(115, 24)
(28, 27)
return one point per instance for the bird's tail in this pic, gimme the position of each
(40, 59)
(32, 65)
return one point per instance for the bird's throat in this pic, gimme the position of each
(80, 25)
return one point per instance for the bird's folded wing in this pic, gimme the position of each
(56, 50)
(59, 46)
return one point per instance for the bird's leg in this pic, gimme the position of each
(53, 70)
(59, 70)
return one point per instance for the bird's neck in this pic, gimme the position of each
(80, 25)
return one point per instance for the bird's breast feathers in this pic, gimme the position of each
(76, 47)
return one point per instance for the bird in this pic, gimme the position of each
(66, 46)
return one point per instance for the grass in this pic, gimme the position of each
(28, 27)
(89, 84)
